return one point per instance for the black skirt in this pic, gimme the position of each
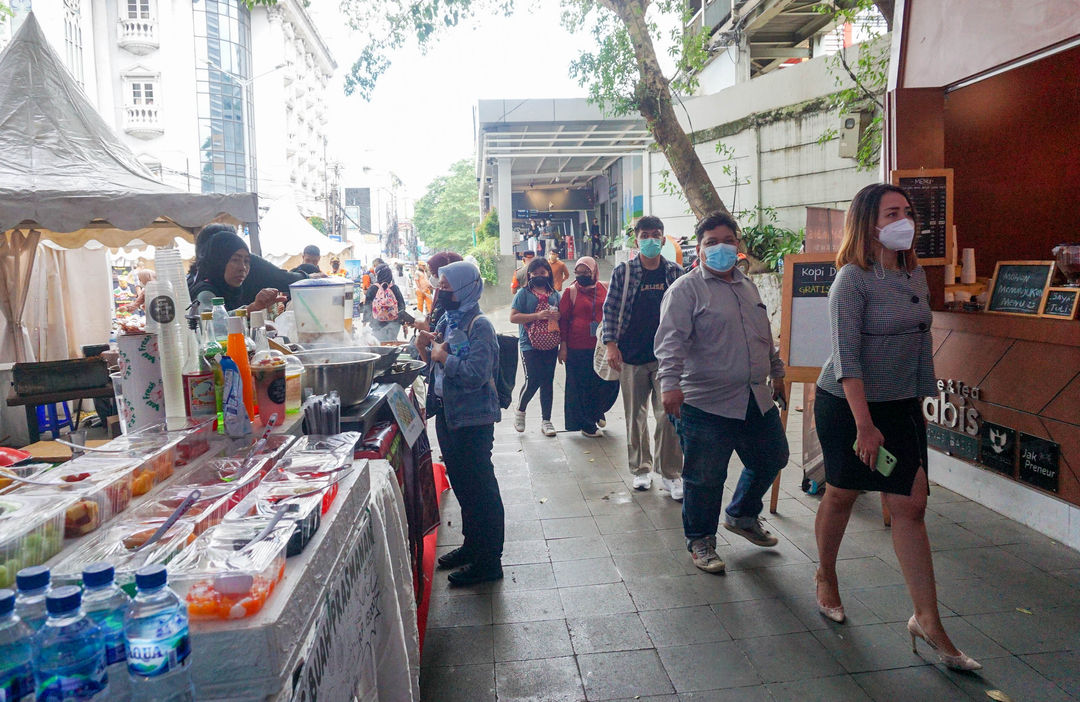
(904, 428)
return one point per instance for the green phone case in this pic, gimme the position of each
(885, 460)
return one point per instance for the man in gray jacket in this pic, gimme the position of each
(716, 356)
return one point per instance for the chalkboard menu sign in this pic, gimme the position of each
(1061, 303)
(805, 342)
(1018, 287)
(1039, 462)
(998, 447)
(952, 443)
(931, 193)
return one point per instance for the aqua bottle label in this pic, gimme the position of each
(115, 652)
(17, 685)
(65, 688)
(150, 658)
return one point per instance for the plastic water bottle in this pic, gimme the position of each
(459, 340)
(158, 645)
(16, 653)
(106, 604)
(220, 324)
(33, 585)
(69, 652)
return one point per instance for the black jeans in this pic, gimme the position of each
(467, 454)
(539, 375)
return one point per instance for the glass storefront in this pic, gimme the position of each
(223, 91)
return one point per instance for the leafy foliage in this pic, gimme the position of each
(870, 76)
(319, 223)
(769, 243)
(447, 213)
(486, 253)
(489, 228)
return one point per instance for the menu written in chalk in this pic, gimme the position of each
(1039, 462)
(1018, 286)
(1061, 302)
(930, 199)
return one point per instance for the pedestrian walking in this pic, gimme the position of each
(536, 309)
(716, 358)
(385, 305)
(581, 307)
(868, 404)
(631, 317)
(464, 357)
(559, 272)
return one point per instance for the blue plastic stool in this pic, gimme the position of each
(49, 419)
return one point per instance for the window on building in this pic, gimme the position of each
(138, 9)
(143, 92)
(73, 46)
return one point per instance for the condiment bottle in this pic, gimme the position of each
(237, 351)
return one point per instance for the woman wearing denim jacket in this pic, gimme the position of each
(464, 355)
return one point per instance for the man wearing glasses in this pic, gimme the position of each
(631, 317)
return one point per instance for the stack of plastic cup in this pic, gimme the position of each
(163, 318)
(170, 267)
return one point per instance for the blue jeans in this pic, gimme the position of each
(707, 442)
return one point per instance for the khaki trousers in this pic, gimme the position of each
(639, 385)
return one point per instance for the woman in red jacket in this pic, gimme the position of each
(581, 308)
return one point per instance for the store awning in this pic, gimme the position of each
(65, 174)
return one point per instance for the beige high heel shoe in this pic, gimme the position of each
(959, 662)
(835, 614)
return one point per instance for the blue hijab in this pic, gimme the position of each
(467, 285)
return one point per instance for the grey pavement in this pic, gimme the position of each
(601, 602)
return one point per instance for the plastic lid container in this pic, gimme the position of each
(32, 578)
(120, 545)
(7, 602)
(99, 487)
(217, 301)
(63, 600)
(98, 575)
(235, 325)
(258, 318)
(31, 531)
(151, 577)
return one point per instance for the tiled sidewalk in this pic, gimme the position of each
(600, 600)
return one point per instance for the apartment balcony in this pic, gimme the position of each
(142, 121)
(139, 36)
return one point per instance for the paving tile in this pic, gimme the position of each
(868, 572)
(755, 618)
(1045, 554)
(683, 626)
(710, 666)
(870, 647)
(598, 491)
(462, 683)
(531, 640)
(788, 657)
(964, 636)
(911, 684)
(891, 603)
(589, 571)
(520, 513)
(551, 680)
(665, 592)
(666, 518)
(636, 542)
(569, 527)
(516, 495)
(620, 674)
(643, 565)
(734, 587)
(525, 606)
(523, 531)
(576, 548)
(563, 509)
(625, 522)
(457, 645)
(1042, 631)
(1061, 668)
(461, 610)
(806, 610)
(527, 576)
(757, 693)
(614, 504)
(522, 552)
(592, 600)
(830, 689)
(610, 632)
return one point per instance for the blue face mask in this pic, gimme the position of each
(720, 257)
(650, 248)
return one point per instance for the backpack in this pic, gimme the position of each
(540, 337)
(384, 307)
(505, 373)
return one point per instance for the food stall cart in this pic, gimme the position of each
(980, 116)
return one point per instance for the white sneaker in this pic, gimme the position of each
(674, 487)
(642, 482)
(601, 422)
(547, 428)
(519, 420)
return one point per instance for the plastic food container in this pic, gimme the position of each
(224, 576)
(213, 504)
(119, 546)
(100, 488)
(154, 452)
(25, 470)
(257, 509)
(31, 532)
(196, 441)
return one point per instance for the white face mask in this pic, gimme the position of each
(898, 235)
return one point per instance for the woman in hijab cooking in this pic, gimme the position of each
(581, 308)
(221, 270)
(463, 354)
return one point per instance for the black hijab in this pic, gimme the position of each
(211, 267)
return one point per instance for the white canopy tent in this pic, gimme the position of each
(67, 179)
(284, 232)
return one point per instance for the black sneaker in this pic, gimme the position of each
(476, 573)
(454, 559)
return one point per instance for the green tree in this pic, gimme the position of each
(318, 222)
(623, 73)
(489, 228)
(446, 215)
